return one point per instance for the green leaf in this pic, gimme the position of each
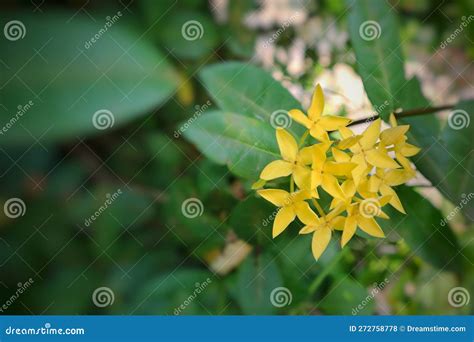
(252, 220)
(374, 35)
(244, 144)
(248, 90)
(347, 297)
(64, 77)
(446, 158)
(458, 158)
(188, 34)
(425, 230)
(257, 278)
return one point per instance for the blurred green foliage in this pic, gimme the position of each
(164, 148)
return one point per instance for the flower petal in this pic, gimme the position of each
(338, 222)
(346, 132)
(380, 159)
(340, 156)
(285, 216)
(306, 214)
(374, 183)
(287, 145)
(317, 104)
(348, 142)
(316, 179)
(397, 177)
(321, 238)
(300, 117)
(307, 230)
(349, 188)
(277, 197)
(350, 227)
(318, 156)
(277, 169)
(370, 226)
(394, 200)
(300, 195)
(393, 120)
(409, 150)
(361, 169)
(331, 186)
(305, 155)
(302, 176)
(391, 135)
(332, 122)
(339, 169)
(371, 134)
(319, 133)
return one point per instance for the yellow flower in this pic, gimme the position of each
(293, 162)
(396, 136)
(317, 124)
(324, 172)
(359, 173)
(382, 182)
(362, 214)
(291, 205)
(322, 229)
(366, 153)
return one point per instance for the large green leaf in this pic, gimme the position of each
(374, 35)
(424, 230)
(348, 296)
(248, 90)
(259, 286)
(446, 158)
(458, 158)
(68, 77)
(244, 144)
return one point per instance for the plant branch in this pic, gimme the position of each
(404, 114)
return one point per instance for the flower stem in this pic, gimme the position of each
(326, 270)
(318, 207)
(303, 138)
(404, 114)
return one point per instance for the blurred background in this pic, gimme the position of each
(109, 209)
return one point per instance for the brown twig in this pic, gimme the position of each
(404, 114)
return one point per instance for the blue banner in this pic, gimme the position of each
(237, 328)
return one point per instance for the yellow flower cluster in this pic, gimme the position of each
(357, 171)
